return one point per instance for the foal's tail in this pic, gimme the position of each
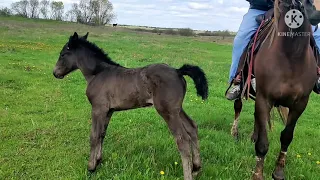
(199, 78)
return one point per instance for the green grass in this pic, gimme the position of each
(45, 122)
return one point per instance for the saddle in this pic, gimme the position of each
(246, 67)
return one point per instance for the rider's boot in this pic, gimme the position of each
(316, 88)
(235, 90)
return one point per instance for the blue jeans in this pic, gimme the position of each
(247, 28)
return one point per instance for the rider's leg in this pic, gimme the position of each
(247, 28)
(316, 36)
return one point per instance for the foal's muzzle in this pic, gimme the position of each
(56, 74)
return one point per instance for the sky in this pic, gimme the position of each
(196, 14)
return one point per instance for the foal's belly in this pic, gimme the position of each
(131, 103)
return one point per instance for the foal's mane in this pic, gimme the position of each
(98, 51)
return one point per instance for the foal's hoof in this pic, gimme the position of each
(196, 173)
(92, 167)
(278, 175)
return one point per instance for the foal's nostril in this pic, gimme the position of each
(54, 74)
(57, 75)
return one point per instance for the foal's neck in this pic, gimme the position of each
(92, 66)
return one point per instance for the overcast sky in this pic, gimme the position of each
(195, 14)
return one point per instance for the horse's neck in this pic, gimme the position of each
(296, 45)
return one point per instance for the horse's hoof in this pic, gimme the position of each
(254, 137)
(257, 176)
(236, 138)
(235, 135)
(278, 175)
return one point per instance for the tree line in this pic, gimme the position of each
(91, 12)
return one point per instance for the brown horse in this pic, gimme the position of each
(286, 72)
(111, 87)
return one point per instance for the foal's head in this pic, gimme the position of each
(78, 53)
(67, 61)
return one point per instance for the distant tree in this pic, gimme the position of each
(75, 13)
(20, 8)
(186, 32)
(94, 12)
(102, 11)
(34, 8)
(5, 12)
(44, 8)
(57, 9)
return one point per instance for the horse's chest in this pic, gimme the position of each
(289, 92)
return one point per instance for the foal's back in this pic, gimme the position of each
(128, 88)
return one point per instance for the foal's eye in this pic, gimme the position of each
(63, 54)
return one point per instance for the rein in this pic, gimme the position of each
(251, 61)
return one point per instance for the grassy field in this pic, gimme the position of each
(45, 122)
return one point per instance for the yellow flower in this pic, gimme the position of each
(318, 162)
(176, 163)
(309, 154)
(162, 172)
(298, 156)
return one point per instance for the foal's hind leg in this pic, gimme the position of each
(181, 136)
(192, 130)
(237, 110)
(287, 136)
(100, 120)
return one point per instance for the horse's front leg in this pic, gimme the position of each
(287, 136)
(100, 120)
(237, 110)
(262, 116)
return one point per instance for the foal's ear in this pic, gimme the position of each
(85, 36)
(73, 40)
(75, 36)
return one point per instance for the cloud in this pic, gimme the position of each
(195, 14)
(199, 6)
(237, 9)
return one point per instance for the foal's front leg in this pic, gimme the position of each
(100, 120)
